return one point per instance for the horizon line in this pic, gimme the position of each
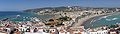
(62, 6)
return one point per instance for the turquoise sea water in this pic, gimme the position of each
(97, 22)
(104, 20)
(7, 14)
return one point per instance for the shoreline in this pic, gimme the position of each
(93, 18)
(88, 19)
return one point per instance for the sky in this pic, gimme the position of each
(17, 5)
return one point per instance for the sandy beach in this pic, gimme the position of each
(87, 19)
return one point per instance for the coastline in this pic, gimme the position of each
(88, 19)
(93, 18)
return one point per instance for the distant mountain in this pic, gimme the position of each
(68, 9)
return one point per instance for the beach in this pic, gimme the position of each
(88, 19)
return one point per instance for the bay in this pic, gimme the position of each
(7, 14)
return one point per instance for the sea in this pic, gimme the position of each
(22, 15)
(103, 20)
(97, 22)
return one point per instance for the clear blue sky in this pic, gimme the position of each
(11, 5)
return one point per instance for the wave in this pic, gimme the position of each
(111, 19)
(108, 19)
(100, 18)
(104, 17)
(114, 18)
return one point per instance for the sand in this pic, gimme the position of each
(87, 19)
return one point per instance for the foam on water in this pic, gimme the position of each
(104, 20)
(114, 18)
(108, 19)
(104, 16)
(111, 19)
